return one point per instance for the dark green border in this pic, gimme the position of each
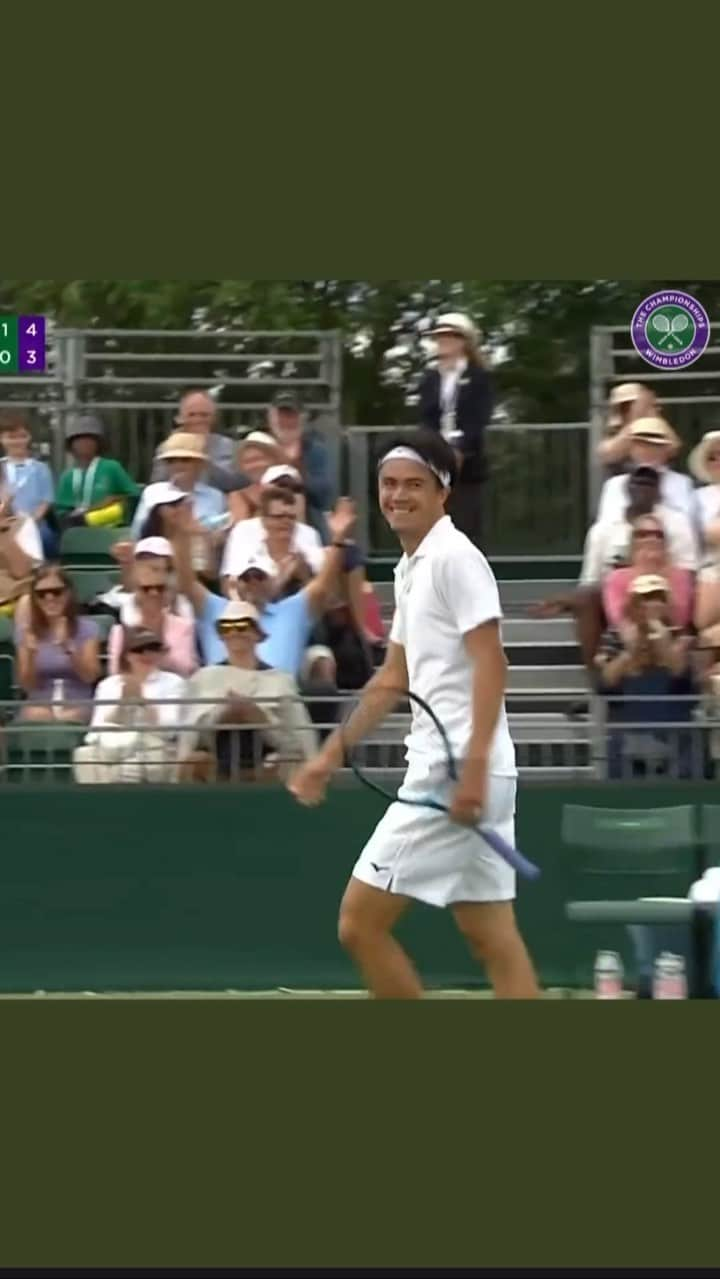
(517, 144)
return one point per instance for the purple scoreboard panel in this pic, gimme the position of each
(22, 344)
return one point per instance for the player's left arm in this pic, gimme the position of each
(489, 674)
(471, 595)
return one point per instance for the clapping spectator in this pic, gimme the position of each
(608, 541)
(58, 658)
(648, 555)
(26, 479)
(258, 724)
(651, 442)
(96, 489)
(276, 534)
(136, 718)
(20, 553)
(643, 669)
(151, 611)
(256, 454)
(456, 399)
(156, 553)
(287, 622)
(305, 449)
(197, 415)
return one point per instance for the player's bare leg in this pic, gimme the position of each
(492, 934)
(367, 918)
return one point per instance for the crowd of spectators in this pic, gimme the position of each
(240, 611)
(647, 605)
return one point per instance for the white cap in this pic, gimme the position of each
(261, 440)
(261, 563)
(274, 473)
(241, 611)
(455, 322)
(154, 546)
(164, 493)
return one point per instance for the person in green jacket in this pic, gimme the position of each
(95, 489)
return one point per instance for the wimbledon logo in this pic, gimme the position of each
(670, 329)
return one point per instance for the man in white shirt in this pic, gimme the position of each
(277, 526)
(651, 443)
(608, 541)
(445, 646)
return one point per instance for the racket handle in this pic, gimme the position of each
(511, 855)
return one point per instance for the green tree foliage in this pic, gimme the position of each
(540, 329)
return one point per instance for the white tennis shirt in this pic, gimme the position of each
(444, 590)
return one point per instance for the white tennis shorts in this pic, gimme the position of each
(422, 854)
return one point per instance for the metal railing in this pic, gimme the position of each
(599, 743)
(133, 378)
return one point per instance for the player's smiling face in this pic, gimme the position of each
(410, 497)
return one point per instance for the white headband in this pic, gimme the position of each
(409, 455)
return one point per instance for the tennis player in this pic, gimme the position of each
(445, 646)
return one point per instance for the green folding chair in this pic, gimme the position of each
(641, 853)
(7, 660)
(90, 546)
(40, 752)
(91, 582)
(710, 835)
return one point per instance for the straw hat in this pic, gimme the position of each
(260, 440)
(455, 322)
(182, 444)
(655, 430)
(626, 393)
(649, 584)
(697, 462)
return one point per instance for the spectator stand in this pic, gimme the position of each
(132, 379)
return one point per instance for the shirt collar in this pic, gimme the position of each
(436, 534)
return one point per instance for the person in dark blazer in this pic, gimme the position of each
(456, 399)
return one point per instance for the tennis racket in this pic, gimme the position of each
(369, 754)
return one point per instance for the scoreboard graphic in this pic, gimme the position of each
(22, 344)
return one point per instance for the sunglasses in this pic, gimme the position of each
(153, 590)
(50, 592)
(147, 648)
(646, 533)
(239, 627)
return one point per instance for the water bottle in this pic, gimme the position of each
(669, 977)
(58, 697)
(608, 975)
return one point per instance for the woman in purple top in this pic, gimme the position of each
(58, 652)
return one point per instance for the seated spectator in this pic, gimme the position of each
(197, 415)
(626, 404)
(256, 454)
(185, 461)
(306, 450)
(704, 462)
(157, 501)
(608, 542)
(274, 536)
(95, 491)
(136, 718)
(20, 554)
(150, 608)
(287, 622)
(648, 659)
(258, 725)
(652, 442)
(608, 546)
(26, 480)
(58, 652)
(157, 553)
(648, 555)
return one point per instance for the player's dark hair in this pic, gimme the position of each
(430, 446)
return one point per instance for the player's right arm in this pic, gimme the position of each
(379, 697)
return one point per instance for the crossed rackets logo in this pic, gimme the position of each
(671, 327)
